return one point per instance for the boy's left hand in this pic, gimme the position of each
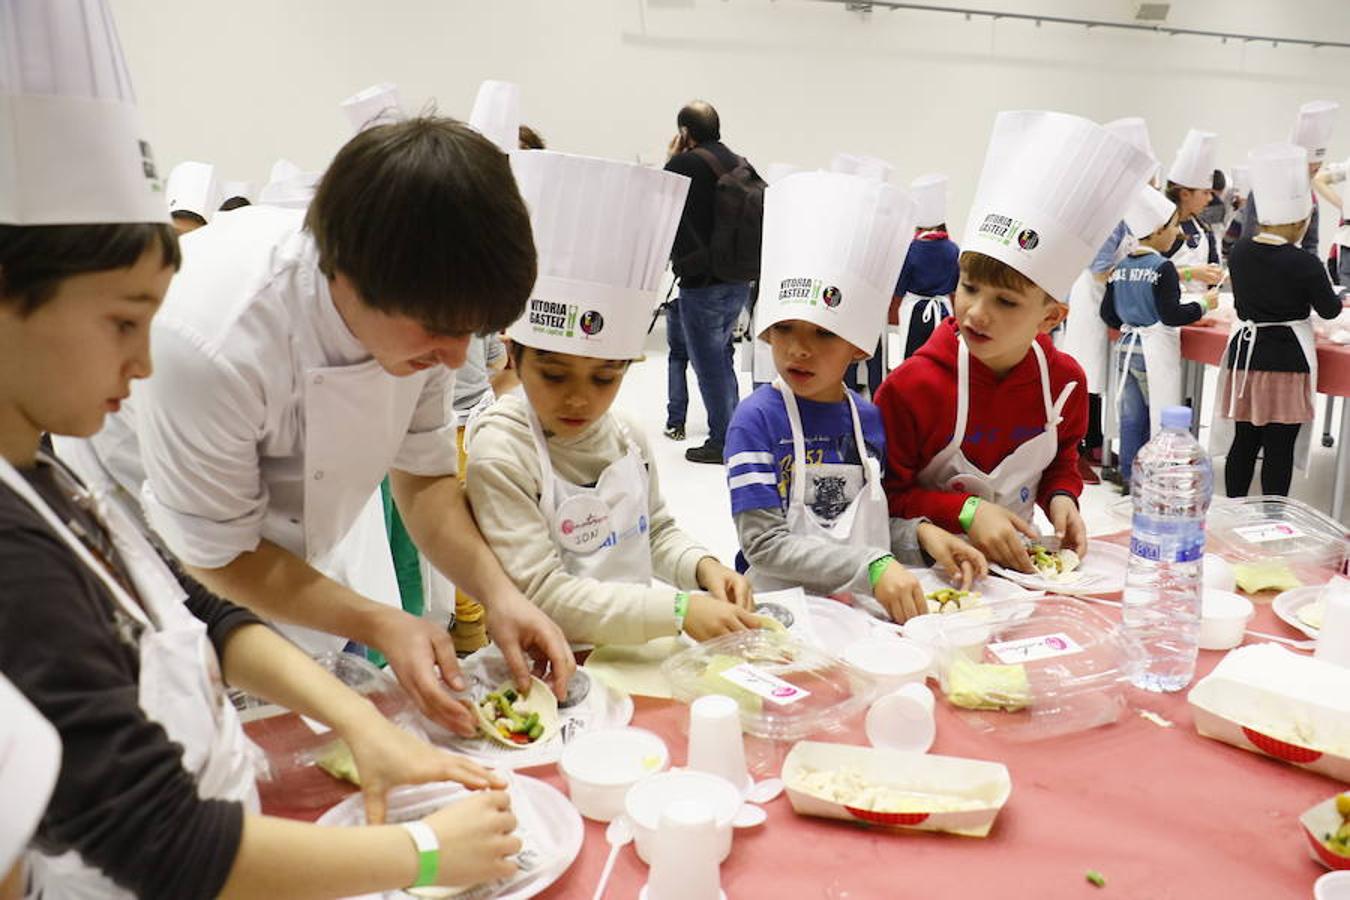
(962, 562)
(723, 583)
(1068, 524)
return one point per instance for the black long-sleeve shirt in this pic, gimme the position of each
(123, 799)
(694, 236)
(1144, 289)
(1278, 283)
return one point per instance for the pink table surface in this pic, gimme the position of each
(1161, 812)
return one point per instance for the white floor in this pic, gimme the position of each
(697, 494)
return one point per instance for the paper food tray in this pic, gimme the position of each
(1270, 700)
(1317, 822)
(982, 787)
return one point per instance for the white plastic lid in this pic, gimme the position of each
(614, 756)
(889, 657)
(902, 721)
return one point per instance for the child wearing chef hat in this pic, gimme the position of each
(983, 423)
(564, 489)
(804, 454)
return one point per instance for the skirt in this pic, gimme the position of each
(1281, 397)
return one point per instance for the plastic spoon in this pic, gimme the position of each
(764, 791)
(618, 833)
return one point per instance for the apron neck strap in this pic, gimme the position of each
(799, 443)
(546, 499)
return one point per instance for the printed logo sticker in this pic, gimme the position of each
(831, 297)
(1004, 229)
(592, 322)
(1027, 239)
(552, 318)
(808, 292)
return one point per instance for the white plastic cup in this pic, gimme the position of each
(1332, 886)
(1223, 619)
(716, 745)
(600, 766)
(892, 660)
(1219, 573)
(685, 860)
(903, 720)
(1333, 639)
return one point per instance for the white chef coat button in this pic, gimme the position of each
(318, 476)
(318, 379)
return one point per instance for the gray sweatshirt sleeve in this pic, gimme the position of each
(905, 542)
(820, 567)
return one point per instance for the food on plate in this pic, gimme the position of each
(1312, 614)
(769, 623)
(950, 600)
(517, 720)
(1338, 841)
(1265, 575)
(848, 786)
(337, 760)
(973, 685)
(1056, 565)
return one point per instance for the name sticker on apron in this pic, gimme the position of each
(770, 687)
(583, 524)
(1046, 646)
(1264, 532)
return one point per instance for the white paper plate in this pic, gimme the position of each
(1287, 605)
(1102, 571)
(602, 706)
(990, 589)
(837, 624)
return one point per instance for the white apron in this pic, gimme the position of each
(918, 316)
(865, 523)
(601, 532)
(1085, 337)
(1193, 257)
(180, 685)
(1014, 481)
(1161, 346)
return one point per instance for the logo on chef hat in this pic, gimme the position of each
(592, 322)
(148, 163)
(831, 297)
(1027, 239)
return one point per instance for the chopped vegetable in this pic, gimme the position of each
(1097, 879)
(945, 600)
(1156, 719)
(515, 725)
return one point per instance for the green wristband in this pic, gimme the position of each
(681, 609)
(877, 567)
(967, 516)
(428, 852)
(1187, 275)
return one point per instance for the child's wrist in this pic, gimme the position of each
(877, 568)
(428, 852)
(966, 517)
(681, 609)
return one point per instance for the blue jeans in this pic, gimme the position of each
(709, 315)
(677, 362)
(1134, 427)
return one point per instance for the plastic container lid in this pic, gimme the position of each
(1277, 529)
(1034, 668)
(786, 690)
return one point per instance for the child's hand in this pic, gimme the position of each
(708, 617)
(997, 533)
(898, 591)
(1207, 274)
(476, 839)
(962, 562)
(1068, 524)
(1212, 298)
(724, 583)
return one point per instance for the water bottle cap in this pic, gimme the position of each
(1177, 417)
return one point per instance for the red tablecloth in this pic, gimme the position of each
(1205, 345)
(1161, 812)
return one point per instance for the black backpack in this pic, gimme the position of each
(738, 219)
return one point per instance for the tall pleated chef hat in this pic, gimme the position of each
(192, 187)
(30, 757)
(833, 248)
(603, 231)
(74, 149)
(930, 200)
(375, 105)
(1279, 174)
(860, 164)
(496, 114)
(1313, 127)
(1148, 211)
(1193, 166)
(1052, 189)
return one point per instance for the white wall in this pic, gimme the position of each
(243, 82)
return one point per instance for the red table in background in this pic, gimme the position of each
(1163, 813)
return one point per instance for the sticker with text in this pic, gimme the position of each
(1046, 646)
(770, 687)
(1263, 532)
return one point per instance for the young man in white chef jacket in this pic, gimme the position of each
(301, 357)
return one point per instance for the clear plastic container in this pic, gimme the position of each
(1034, 668)
(293, 744)
(787, 690)
(1277, 530)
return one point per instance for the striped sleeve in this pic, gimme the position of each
(752, 472)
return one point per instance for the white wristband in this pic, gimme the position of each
(428, 852)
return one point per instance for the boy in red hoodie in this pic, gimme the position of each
(983, 423)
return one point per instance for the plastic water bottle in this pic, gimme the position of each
(1171, 488)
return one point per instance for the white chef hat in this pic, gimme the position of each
(603, 231)
(1313, 127)
(860, 164)
(496, 114)
(1193, 166)
(30, 758)
(375, 105)
(192, 188)
(1242, 180)
(1148, 211)
(930, 200)
(73, 149)
(833, 248)
(1052, 189)
(776, 172)
(231, 189)
(289, 186)
(1279, 174)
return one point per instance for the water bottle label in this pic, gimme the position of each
(1263, 532)
(1024, 650)
(1160, 540)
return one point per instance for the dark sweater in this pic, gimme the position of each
(1143, 290)
(1278, 283)
(696, 223)
(123, 798)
